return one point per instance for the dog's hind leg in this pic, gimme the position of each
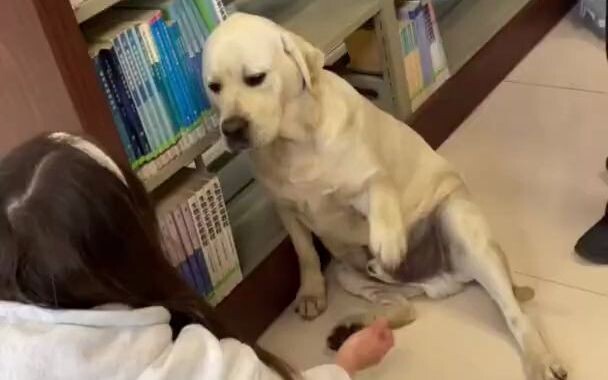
(476, 256)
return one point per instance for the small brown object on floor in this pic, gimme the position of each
(340, 334)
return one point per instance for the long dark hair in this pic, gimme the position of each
(74, 234)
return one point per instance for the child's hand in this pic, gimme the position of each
(366, 348)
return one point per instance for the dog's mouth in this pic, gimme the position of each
(237, 141)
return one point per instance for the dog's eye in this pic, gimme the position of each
(215, 87)
(255, 79)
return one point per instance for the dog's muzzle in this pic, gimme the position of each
(236, 131)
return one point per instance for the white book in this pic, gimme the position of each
(209, 255)
(226, 231)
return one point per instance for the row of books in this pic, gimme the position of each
(197, 236)
(148, 58)
(424, 56)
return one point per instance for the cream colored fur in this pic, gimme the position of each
(348, 172)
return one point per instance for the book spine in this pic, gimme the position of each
(143, 84)
(197, 249)
(196, 60)
(182, 230)
(170, 118)
(223, 223)
(122, 68)
(159, 100)
(424, 47)
(187, 76)
(109, 90)
(178, 74)
(197, 20)
(207, 14)
(203, 197)
(177, 250)
(141, 103)
(216, 229)
(437, 52)
(168, 75)
(219, 9)
(203, 233)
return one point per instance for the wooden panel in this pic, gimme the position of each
(73, 62)
(33, 97)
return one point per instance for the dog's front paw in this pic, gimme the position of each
(311, 301)
(546, 367)
(388, 244)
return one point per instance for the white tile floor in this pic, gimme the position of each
(533, 154)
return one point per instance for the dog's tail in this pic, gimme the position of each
(398, 315)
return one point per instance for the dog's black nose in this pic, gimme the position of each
(236, 130)
(235, 125)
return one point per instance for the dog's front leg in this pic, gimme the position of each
(312, 296)
(388, 235)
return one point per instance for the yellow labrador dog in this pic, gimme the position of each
(381, 200)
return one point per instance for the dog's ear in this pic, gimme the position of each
(308, 58)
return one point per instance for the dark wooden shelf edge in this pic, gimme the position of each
(263, 295)
(272, 286)
(448, 107)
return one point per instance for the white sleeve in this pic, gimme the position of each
(326, 372)
(197, 355)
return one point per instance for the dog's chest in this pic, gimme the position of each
(328, 196)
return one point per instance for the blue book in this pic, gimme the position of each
(127, 105)
(143, 99)
(197, 249)
(422, 38)
(116, 115)
(173, 37)
(188, 251)
(158, 75)
(164, 121)
(170, 62)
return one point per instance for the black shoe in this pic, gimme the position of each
(593, 245)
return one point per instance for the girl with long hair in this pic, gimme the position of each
(86, 291)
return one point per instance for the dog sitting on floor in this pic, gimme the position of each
(362, 181)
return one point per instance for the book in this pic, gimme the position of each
(424, 56)
(127, 106)
(200, 219)
(222, 227)
(197, 248)
(104, 81)
(177, 250)
(189, 253)
(207, 13)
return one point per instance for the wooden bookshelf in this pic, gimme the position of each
(90, 8)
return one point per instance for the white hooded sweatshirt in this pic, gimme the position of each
(122, 344)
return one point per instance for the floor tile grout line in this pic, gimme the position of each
(561, 284)
(544, 85)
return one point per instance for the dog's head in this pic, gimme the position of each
(252, 69)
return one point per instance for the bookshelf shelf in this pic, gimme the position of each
(422, 97)
(187, 157)
(470, 24)
(90, 8)
(324, 23)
